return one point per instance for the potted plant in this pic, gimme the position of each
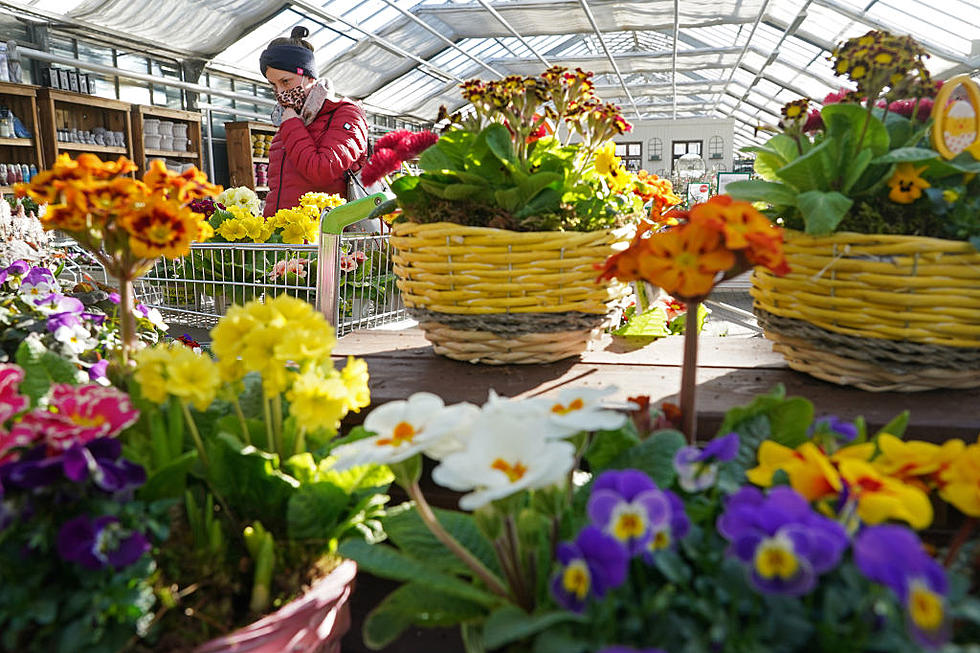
(879, 192)
(499, 232)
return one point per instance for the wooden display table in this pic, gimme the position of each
(731, 372)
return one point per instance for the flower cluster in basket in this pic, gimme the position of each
(126, 224)
(535, 154)
(884, 156)
(581, 531)
(45, 324)
(170, 514)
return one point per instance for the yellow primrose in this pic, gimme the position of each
(906, 184)
(231, 230)
(317, 400)
(355, 376)
(880, 498)
(606, 159)
(810, 471)
(960, 483)
(175, 370)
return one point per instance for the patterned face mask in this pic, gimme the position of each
(292, 97)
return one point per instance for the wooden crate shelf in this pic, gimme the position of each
(21, 99)
(66, 110)
(241, 162)
(192, 119)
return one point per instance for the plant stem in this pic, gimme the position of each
(300, 441)
(523, 596)
(689, 370)
(962, 536)
(270, 438)
(241, 421)
(277, 424)
(437, 529)
(127, 321)
(195, 434)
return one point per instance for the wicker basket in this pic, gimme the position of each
(494, 296)
(877, 312)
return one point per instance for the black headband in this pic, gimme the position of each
(291, 58)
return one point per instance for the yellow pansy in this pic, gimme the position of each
(960, 483)
(810, 471)
(880, 498)
(906, 184)
(914, 458)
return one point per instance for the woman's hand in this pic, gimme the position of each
(288, 113)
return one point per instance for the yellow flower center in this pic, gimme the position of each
(575, 404)
(792, 111)
(160, 233)
(858, 72)
(81, 420)
(576, 579)
(514, 472)
(883, 58)
(686, 260)
(925, 607)
(775, 558)
(660, 540)
(403, 433)
(628, 524)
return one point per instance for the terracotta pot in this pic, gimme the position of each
(313, 623)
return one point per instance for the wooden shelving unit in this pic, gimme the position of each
(241, 161)
(194, 153)
(21, 99)
(66, 110)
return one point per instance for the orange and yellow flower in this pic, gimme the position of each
(810, 471)
(163, 227)
(189, 185)
(960, 483)
(915, 461)
(880, 497)
(686, 260)
(905, 183)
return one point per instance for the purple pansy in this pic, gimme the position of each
(114, 297)
(628, 506)
(59, 320)
(781, 540)
(15, 269)
(56, 303)
(100, 459)
(668, 535)
(840, 429)
(697, 469)
(95, 318)
(893, 556)
(97, 543)
(590, 566)
(37, 276)
(98, 370)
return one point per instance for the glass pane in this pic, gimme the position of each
(135, 92)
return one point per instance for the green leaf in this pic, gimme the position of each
(649, 324)
(500, 143)
(607, 445)
(435, 159)
(767, 164)
(385, 561)
(357, 478)
(810, 171)
(823, 211)
(756, 190)
(454, 145)
(407, 530)
(548, 199)
(43, 367)
(168, 480)
(789, 421)
(855, 169)
(415, 604)
(509, 623)
(250, 480)
(842, 120)
(904, 154)
(314, 510)
(654, 456)
(897, 426)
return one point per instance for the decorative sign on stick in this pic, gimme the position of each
(956, 124)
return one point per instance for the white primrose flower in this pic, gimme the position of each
(402, 429)
(531, 415)
(580, 409)
(465, 415)
(75, 339)
(501, 459)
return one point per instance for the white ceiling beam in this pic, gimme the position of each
(609, 55)
(673, 63)
(503, 21)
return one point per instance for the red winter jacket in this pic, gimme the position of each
(304, 158)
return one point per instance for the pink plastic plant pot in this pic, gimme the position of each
(313, 623)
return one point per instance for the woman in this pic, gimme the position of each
(320, 136)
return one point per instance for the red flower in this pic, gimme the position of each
(415, 143)
(391, 140)
(382, 163)
(814, 122)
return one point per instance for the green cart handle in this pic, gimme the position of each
(333, 221)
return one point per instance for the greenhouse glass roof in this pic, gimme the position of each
(739, 59)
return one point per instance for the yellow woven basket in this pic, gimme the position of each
(875, 311)
(495, 296)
